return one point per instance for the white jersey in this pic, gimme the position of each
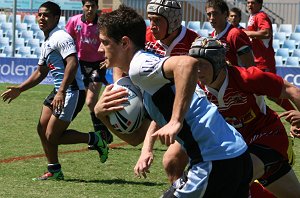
(54, 50)
(205, 134)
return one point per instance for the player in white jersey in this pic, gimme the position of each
(58, 56)
(215, 149)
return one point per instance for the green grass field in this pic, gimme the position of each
(21, 158)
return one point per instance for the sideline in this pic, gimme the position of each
(21, 158)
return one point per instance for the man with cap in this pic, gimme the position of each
(166, 36)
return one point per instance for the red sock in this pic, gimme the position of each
(258, 191)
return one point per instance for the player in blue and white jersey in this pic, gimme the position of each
(58, 56)
(178, 109)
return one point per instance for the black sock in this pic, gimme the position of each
(92, 138)
(54, 168)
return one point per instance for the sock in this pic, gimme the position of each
(93, 138)
(54, 168)
(97, 124)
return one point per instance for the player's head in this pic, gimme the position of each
(124, 21)
(169, 9)
(90, 8)
(217, 12)
(235, 16)
(48, 16)
(254, 6)
(211, 50)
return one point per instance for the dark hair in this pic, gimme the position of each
(92, 1)
(220, 4)
(124, 21)
(52, 7)
(259, 1)
(237, 11)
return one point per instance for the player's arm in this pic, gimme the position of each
(35, 78)
(69, 75)
(291, 92)
(146, 158)
(111, 101)
(246, 56)
(260, 34)
(183, 69)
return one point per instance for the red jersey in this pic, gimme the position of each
(236, 40)
(180, 45)
(240, 101)
(262, 48)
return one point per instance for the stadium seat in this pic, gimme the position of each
(6, 27)
(35, 28)
(3, 18)
(295, 36)
(37, 52)
(8, 51)
(207, 26)
(29, 19)
(278, 61)
(2, 55)
(203, 32)
(296, 53)
(33, 43)
(24, 51)
(292, 61)
(62, 22)
(194, 25)
(276, 44)
(1, 33)
(147, 21)
(4, 42)
(40, 35)
(287, 28)
(18, 18)
(243, 24)
(19, 42)
(30, 56)
(27, 35)
(297, 28)
(284, 52)
(281, 36)
(9, 34)
(289, 44)
(21, 27)
(274, 27)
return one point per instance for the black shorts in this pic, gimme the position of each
(91, 72)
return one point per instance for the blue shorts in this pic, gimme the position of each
(74, 102)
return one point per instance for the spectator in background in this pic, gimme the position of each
(235, 17)
(239, 50)
(166, 36)
(259, 29)
(84, 30)
(59, 57)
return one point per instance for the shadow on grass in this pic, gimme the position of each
(114, 181)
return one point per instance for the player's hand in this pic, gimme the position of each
(293, 117)
(143, 164)
(168, 133)
(110, 101)
(58, 101)
(295, 131)
(12, 93)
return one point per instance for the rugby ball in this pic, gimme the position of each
(130, 118)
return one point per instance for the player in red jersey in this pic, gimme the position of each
(166, 36)
(238, 93)
(235, 16)
(239, 50)
(259, 30)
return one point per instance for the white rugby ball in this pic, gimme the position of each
(131, 117)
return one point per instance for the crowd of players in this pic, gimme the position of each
(233, 69)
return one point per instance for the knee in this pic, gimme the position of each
(51, 138)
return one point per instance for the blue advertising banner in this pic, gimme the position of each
(291, 74)
(17, 70)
